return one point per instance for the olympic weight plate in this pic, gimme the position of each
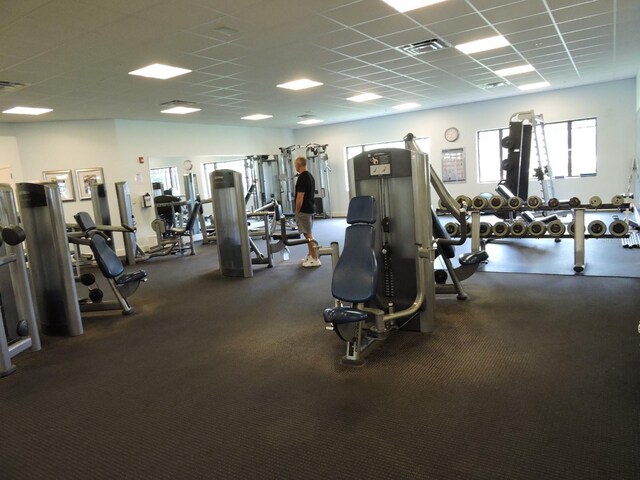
(597, 228)
(479, 202)
(617, 200)
(452, 229)
(518, 228)
(618, 228)
(553, 203)
(534, 201)
(556, 228)
(595, 201)
(500, 229)
(515, 203)
(537, 229)
(496, 202)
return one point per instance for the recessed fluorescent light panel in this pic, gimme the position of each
(299, 84)
(534, 86)
(483, 45)
(406, 106)
(257, 116)
(364, 97)
(157, 70)
(180, 110)
(505, 72)
(310, 121)
(28, 111)
(408, 5)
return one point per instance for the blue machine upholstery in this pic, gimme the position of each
(107, 260)
(85, 222)
(356, 273)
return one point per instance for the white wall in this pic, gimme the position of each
(116, 145)
(612, 103)
(10, 157)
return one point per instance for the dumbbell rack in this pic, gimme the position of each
(579, 235)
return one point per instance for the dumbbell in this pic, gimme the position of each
(496, 202)
(556, 228)
(571, 228)
(537, 229)
(518, 228)
(597, 228)
(617, 200)
(595, 201)
(485, 229)
(534, 201)
(479, 202)
(453, 229)
(95, 293)
(13, 234)
(618, 228)
(574, 202)
(553, 203)
(463, 199)
(500, 229)
(515, 203)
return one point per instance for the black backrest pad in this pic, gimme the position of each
(107, 260)
(85, 221)
(355, 275)
(362, 209)
(192, 217)
(440, 232)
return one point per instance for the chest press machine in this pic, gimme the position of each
(386, 270)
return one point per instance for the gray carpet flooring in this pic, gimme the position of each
(534, 377)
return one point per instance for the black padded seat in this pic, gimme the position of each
(131, 277)
(290, 236)
(85, 222)
(473, 258)
(107, 260)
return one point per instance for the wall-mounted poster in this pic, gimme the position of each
(87, 176)
(64, 179)
(453, 165)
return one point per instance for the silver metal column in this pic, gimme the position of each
(578, 239)
(232, 233)
(49, 259)
(123, 196)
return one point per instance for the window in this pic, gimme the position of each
(168, 177)
(571, 146)
(353, 150)
(237, 165)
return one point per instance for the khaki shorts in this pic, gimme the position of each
(304, 222)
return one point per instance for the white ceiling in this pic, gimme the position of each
(74, 55)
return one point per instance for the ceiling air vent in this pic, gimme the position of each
(491, 85)
(8, 86)
(177, 103)
(424, 46)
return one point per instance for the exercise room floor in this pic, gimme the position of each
(534, 377)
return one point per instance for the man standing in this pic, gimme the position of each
(305, 193)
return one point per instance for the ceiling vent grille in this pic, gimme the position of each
(8, 86)
(424, 46)
(177, 103)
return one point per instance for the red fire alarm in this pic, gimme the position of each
(140, 159)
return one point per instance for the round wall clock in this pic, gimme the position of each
(451, 134)
(188, 165)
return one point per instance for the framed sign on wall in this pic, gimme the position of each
(453, 165)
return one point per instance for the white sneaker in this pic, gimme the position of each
(305, 260)
(312, 262)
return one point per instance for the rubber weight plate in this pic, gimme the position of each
(556, 228)
(496, 202)
(595, 201)
(500, 229)
(515, 203)
(452, 229)
(534, 201)
(518, 228)
(479, 202)
(537, 229)
(618, 228)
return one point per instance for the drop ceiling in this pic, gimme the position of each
(74, 55)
